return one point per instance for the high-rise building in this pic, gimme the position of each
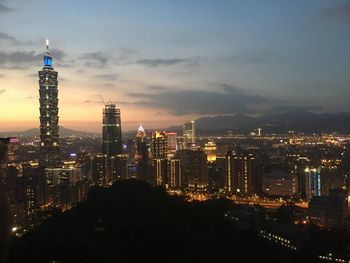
(99, 170)
(189, 134)
(172, 143)
(159, 167)
(278, 183)
(142, 155)
(194, 170)
(210, 150)
(119, 167)
(111, 131)
(313, 182)
(159, 145)
(48, 98)
(140, 134)
(240, 173)
(174, 173)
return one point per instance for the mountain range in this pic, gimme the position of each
(297, 120)
(64, 132)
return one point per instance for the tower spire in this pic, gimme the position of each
(47, 47)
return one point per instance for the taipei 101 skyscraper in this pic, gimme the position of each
(48, 98)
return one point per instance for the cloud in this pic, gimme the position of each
(2, 91)
(33, 75)
(341, 12)
(125, 53)
(228, 88)
(182, 102)
(12, 40)
(250, 58)
(107, 77)
(95, 59)
(1, 75)
(109, 85)
(4, 8)
(155, 88)
(7, 37)
(18, 59)
(161, 62)
(100, 102)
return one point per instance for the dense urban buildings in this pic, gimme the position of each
(298, 179)
(48, 98)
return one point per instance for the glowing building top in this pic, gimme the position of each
(47, 57)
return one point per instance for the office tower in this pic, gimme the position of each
(35, 188)
(329, 211)
(301, 164)
(13, 148)
(99, 170)
(194, 170)
(142, 156)
(131, 148)
(48, 98)
(312, 182)
(189, 134)
(3, 147)
(172, 143)
(240, 173)
(174, 173)
(159, 167)
(159, 145)
(216, 178)
(119, 167)
(259, 130)
(278, 183)
(210, 149)
(111, 131)
(63, 185)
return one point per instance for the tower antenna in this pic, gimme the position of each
(47, 46)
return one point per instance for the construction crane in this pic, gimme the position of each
(102, 100)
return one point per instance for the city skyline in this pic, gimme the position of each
(162, 64)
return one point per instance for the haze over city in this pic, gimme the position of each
(170, 61)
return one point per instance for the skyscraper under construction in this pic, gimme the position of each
(111, 131)
(48, 99)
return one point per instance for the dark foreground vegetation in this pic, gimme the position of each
(134, 222)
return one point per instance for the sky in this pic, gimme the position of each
(164, 62)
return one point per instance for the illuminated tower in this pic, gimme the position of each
(159, 145)
(48, 91)
(111, 131)
(240, 173)
(140, 134)
(142, 155)
(313, 182)
(189, 134)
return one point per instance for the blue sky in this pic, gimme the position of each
(167, 61)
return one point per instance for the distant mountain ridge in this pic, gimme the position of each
(298, 121)
(64, 132)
